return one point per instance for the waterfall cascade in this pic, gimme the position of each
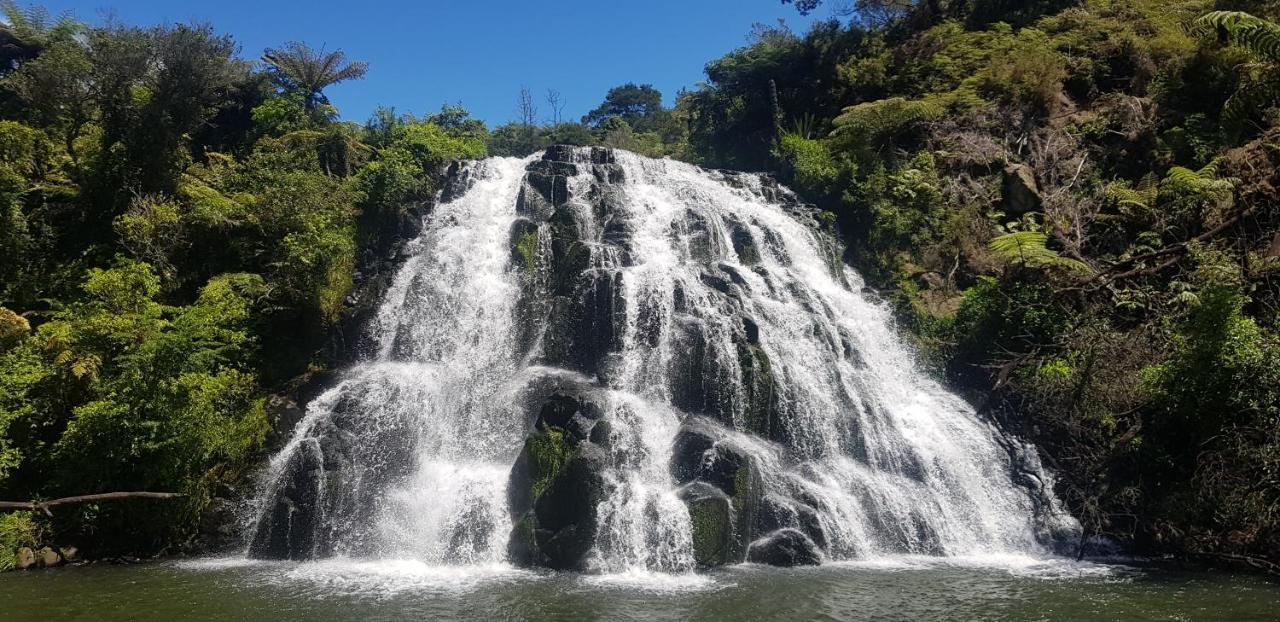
(599, 361)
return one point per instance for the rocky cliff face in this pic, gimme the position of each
(596, 361)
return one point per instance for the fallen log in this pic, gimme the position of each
(43, 506)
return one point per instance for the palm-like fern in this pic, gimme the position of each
(298, 67)
(1260, 82)
(1028, 248)
(26, 32)
(869, 121)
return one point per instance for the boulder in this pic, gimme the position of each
(70, 554)
(1021, 193)
(26, 558)
(702, 461)
(49, 557)
(288, 529)
(556, 484)
(784, 547)
(711, 516)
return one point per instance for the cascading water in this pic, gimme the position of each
(601, 361)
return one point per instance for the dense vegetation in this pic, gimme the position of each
(1075, 206)
(1073, 203)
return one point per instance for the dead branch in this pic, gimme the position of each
(43, 506)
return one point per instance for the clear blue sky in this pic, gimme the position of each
(423, 53)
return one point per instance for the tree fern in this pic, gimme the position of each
(1142, 196)
(1027, 248)
(869, 121)
(1259, 36)
(1260, 84)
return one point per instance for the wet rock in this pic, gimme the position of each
(701, 456)
(744, 245)
(760, 412)
(458, 179)
(715, 282)
(811, 524)
(550, 180)
(569, 255)
(524, 244)
(715, 541)
(70, 554)
(689, 371)
(555, 486)
(1021, 193)
(784, 547)
(288, 529)
(775, 513)
(751, 330)
(697, 237)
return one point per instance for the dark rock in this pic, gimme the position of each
(784, 547)
(775, 512)
(550, 180)
(715, 282)
(289, 528)
(744, 245)
(752, 330)
(1021, 193)
(711, 516)
(734, 275)
(601, 433)
(283, 413)
(760, 413)
(697, 236)
(556, 484)
(458, 178)
(811, 524)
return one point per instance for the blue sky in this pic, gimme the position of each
(424, 53)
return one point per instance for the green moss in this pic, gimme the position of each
(712, 531)
(548, 453)
(527, 248)
(757, 387)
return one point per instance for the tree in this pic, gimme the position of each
(556, 101)
(297, 67)
(635, 104)
(526, 110)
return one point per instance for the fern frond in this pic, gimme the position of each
(1258, 36)
(1028, 248)
(871, 120)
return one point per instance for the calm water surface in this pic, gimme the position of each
(896, 589)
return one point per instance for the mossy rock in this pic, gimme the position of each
(524, 245)
(760, 414)
(711, 518)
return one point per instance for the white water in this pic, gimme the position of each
(892, 462)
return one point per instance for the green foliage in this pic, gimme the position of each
(638, 105)
(298, 68)
(17, 530)
(815, 168)
(1260, 81)
(1028, 249)
(875, 124)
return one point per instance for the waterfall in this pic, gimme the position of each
(600, 361)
